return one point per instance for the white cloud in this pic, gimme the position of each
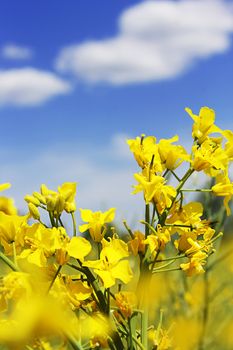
(156, 40)
(29, 86)
(15, 52)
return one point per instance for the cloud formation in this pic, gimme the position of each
(29, 86)
(16, 52)
(156, 40)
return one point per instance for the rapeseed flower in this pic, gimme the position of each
(96, 222)
(112, 264)
(203, 123)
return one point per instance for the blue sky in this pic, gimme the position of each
(78, 77)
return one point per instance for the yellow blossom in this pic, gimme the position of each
(7, 206)
(137, 244)
(112, 265)
(68, 191)
(77, 292)
(12, 230)
(4, 186)
(160, 338)
(157, 241)
(155, 190)
(193, 267)
(126, 302)
(34, 212)
(171, 155)
(96, 222)
(144, 149)
(210, 157)
(224, 188)
(42, 243)
(203, 123)
(228, 134)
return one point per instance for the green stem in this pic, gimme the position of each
(60, 221)
(41, 222)
(165, 265)
(73, 342)
(57, 220)
(74, 224)
(172, 258)
(8, 262)
(155, 259)
(177, 225)
(150, 227)
(155, 211)
(145, 315)
(95, 285)
(54, 278)
(14, 254)
(163, 217)
(130, 342)
(174, 174)
(108, 299)
(138, 343)
(168, 270)
(166, 172)
(147, 220)
(205, 314)
(52, 219)
(111, 344)
(128, 229)
(196, 190)
(160, 323)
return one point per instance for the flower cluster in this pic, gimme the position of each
(92, 288)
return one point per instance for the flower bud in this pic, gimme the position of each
(39, 197)
(51, 203)
(31, 199)
(70, 207)
(60, 204)
(34, 211)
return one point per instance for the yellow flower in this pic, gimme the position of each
(193, 267)
(96, 222)
(111, 265)
(4, 186)
(137, 244)
(77, 292)
(56, 202)
(203, 123)
(12, 230)
(171, 155)
(155, 190)
(126, 302)
(160, 338)
(68, 192)
(210, 156)
(7, 206)
(188, 215)
(224, 188)
(100, 328)
(158, 240)
(228, 134)
(17, 285)
(182, 244)
(78, 248)
(143, 149)
(42, 243)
